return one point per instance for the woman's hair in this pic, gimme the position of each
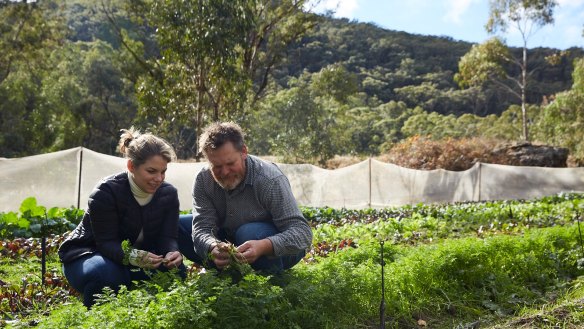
(219, 133)
(140, 147)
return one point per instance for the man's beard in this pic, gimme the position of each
(230, 182)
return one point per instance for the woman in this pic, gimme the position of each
(135, 205)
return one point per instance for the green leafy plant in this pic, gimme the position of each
(127, 249)
(237, 268)
(446, 266)
(36, 221)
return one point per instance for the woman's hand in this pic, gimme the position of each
(144, 259)
(172, 259)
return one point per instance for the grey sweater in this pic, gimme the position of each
(264, 195)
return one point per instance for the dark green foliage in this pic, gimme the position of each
(561, 122)
(36, 221)
(28, 35)
(299, 124)
(396, 59)
(560, 206)
(444, 220)
(461, 280)
(445, 264)
(62, 90)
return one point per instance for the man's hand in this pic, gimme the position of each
(220, 254)
(253, 249)
(172, 259)
(144, 259)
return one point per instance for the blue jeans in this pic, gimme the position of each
(91, 273)
(246, 232)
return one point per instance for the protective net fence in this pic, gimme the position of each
(66, 178)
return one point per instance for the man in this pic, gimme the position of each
(244, 200)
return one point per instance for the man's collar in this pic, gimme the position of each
(249, 170)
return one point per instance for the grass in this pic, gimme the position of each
(566, 312)
(505, 265)
(446, 284)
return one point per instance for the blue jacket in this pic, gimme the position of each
(114, 215)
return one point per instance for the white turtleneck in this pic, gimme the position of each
(142, 197)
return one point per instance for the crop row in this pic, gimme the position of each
(37, 221)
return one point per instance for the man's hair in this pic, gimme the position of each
(219, 133)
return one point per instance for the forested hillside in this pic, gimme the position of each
(418, 69)
(305, 87)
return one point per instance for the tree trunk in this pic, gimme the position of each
(199, 111)
(523, 98)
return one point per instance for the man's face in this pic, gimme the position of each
(227, 165)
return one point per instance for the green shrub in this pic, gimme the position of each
(445, 264)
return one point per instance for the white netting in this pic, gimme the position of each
(500, 182)
(97, 165)
(394, 185)
(313, 186)
(51, 178)
(65, 178)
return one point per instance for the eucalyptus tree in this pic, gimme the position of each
(485, 63)
(525, 16)
(216, 56)
(308, 121)
(90, 95)
(562, 121)
(377, 129)
(432, 124)
(29, 33)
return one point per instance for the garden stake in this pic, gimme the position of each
(43, 252)
(43, 259)
(382, 305)
(580, 232)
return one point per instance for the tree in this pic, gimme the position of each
(336, 82)
(221, 62)
(90, 96)
(562, 121)
(527, 16)
(29, 33)
(306, 122)
(430, 124)
(294, 126)
(196, 79)
(377, 129)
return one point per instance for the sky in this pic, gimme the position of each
(460, 19)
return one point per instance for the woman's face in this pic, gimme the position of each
(149, 175)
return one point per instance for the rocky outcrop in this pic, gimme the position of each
(527, 154)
